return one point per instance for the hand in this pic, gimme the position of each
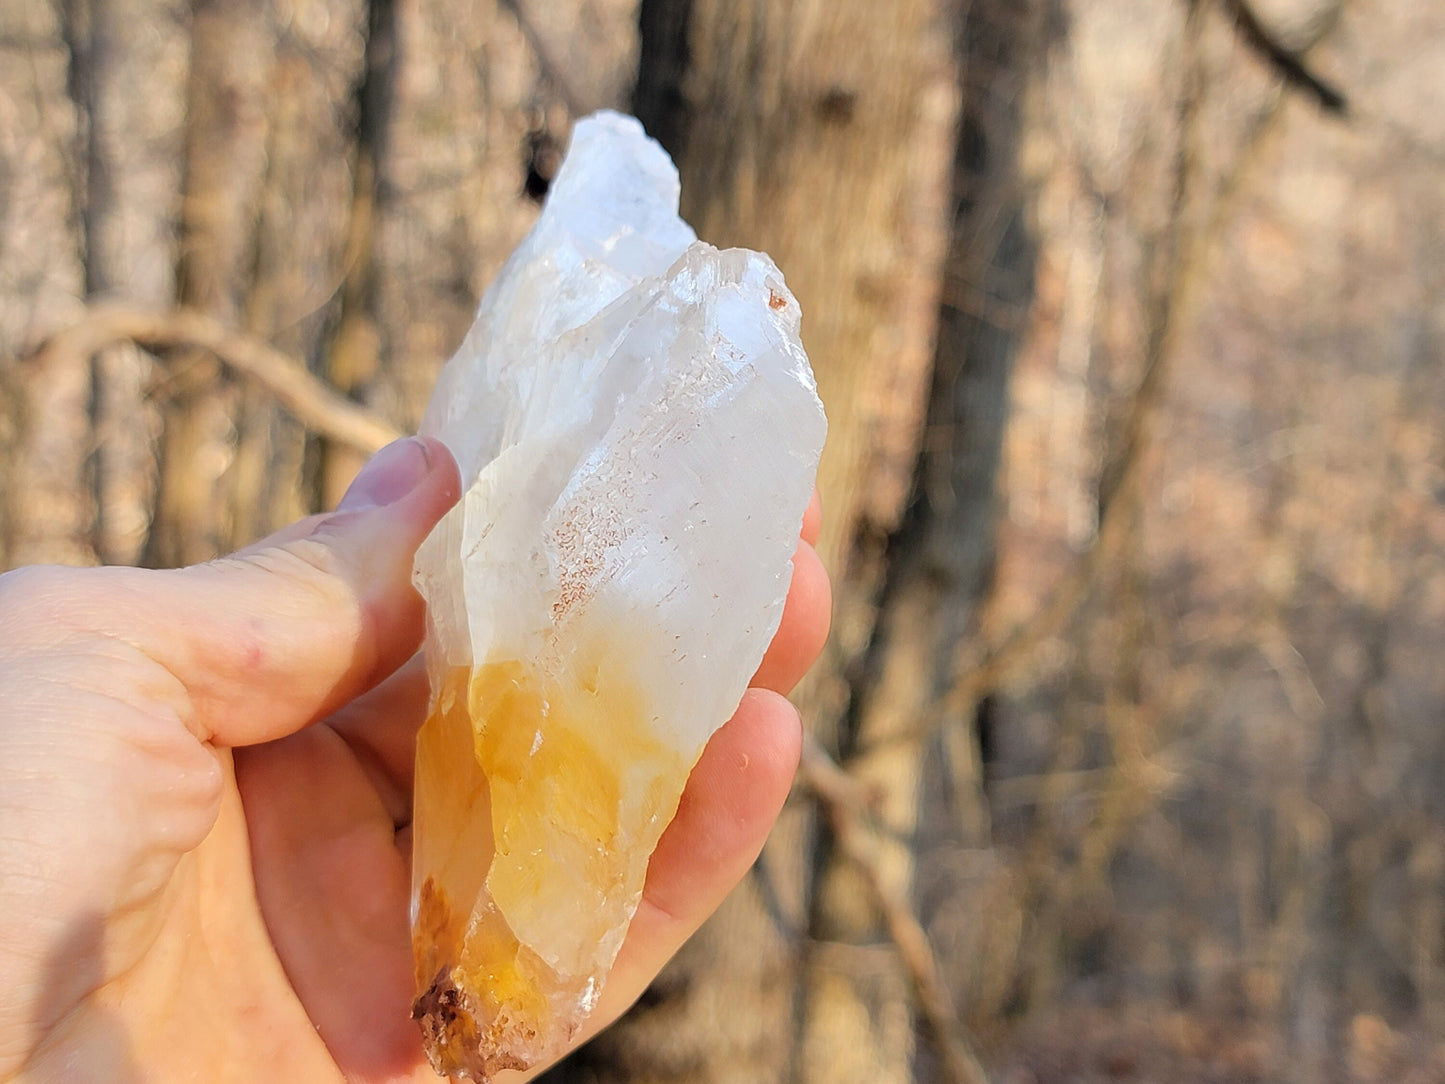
(205, 785)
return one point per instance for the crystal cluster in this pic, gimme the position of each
(637, 429)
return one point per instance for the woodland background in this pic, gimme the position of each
(1128, 759)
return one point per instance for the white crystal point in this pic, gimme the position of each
(638, 430)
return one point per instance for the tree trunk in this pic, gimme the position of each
(46, 430)
(131, 59)
(233, 50)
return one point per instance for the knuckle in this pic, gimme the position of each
(316, 573)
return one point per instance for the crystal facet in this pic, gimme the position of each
(637, 429)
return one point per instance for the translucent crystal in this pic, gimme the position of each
(638, 429)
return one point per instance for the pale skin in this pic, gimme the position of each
(205, 790)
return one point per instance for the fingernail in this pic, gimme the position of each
(388, 476)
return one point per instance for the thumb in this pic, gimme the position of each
(273, 638)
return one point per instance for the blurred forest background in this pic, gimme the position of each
(1127, 757)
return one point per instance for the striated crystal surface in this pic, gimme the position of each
(638, 430)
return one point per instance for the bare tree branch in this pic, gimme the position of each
(844, 803)
(311, 401)
(1288, 63)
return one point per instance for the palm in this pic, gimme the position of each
(326, 810)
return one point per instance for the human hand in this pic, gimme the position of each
(205, 786)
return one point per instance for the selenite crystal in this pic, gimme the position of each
(637, 429)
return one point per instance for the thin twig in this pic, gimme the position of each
(313, 403)
(844, 803)
(1289, 64)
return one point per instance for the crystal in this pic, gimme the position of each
(638, 430)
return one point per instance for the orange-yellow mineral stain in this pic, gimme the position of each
(539, 795)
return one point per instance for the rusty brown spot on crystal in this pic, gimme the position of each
(436, 941)
(776, 300)
(582, 544)
(455, 1044)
